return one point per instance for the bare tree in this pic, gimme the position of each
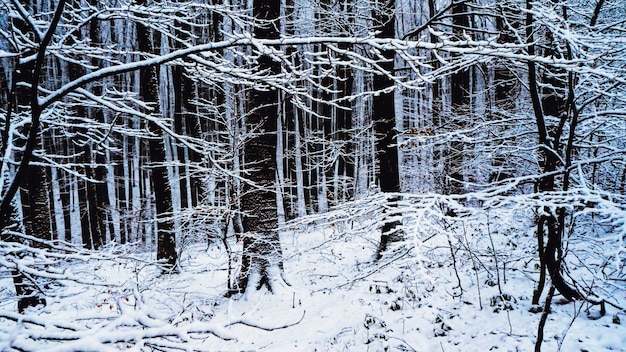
(25, 288)
(383, 112)
(549, 104)
(149, 92)
(262, 265)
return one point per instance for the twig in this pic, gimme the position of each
(576, 314)
(19, 318)
(475, 267)
(406, 344)
(544, 318)
(372, 272)
(253, 325)
(495, 255)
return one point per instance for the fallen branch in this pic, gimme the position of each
(254, 325)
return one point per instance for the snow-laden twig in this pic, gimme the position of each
(265, 328)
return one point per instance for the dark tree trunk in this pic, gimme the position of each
(505, 86)
(182, 93)
(345, 167)
(34, 192)
(436, 101)
(35, 203)
(26, 290)
(459, 98)
(549, 105)
(186, 122)
(29, 73)
(92, 224)
(262, 264)
(93, 221)
(149, 92)
(383, 111)
(98, 198)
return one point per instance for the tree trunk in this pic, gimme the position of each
(92, 221)
(34, 199)
(98, 200)
(550, 105)
(459, 99)
(435, 100)
(299, 170)
(36, 203)
(383, 112)
(27, 292)
(149, 92)
(262, 264)
(34, 191)
(185, 92)
(505, 92)
(182, 92)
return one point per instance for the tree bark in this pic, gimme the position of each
(383, 112)
(505, 89)
(34, 192)
(27, 292)
(35, 214)
(149, 92)
(92, 219)
(549, 105)
(262, 264)
(36, 203)
(98, 192)
(459, 99)
(185, 91)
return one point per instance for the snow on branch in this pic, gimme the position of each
(110, 300)
(470, 48)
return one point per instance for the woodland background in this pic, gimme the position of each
(154, 125)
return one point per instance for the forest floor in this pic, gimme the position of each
(468, 288)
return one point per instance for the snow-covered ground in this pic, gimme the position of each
(450, 286)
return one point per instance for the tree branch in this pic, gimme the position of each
(254, 325)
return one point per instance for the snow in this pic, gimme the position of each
(6, 54)
(338, 298)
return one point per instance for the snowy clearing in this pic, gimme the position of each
(444, 288)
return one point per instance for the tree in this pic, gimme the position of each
(460, 108)
(383, 112)
(549, 104)
(30, 74)
(261, 264)
(505, 87)
(30, 47)
(97, 189)
(91, 190)
(34, 192)
(149, 92)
